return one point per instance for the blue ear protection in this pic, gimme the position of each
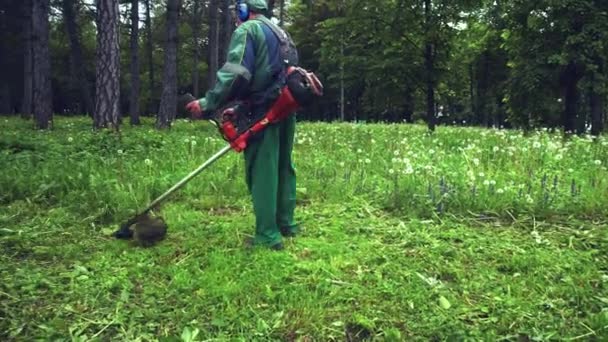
(242, 10)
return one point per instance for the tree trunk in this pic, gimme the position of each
(76, 53)
(409, 105)
(5, 98)
(213, 43)
(168, 101)
(282, 14)
(472, 90)
(196, 29)
(482, 91)
(571, 96)
(430, 72)
(149, 48)
(26, 105)
(135, 80)
(107, 87)
(342, 102)
(597, 108)
(270, 8)
(226, 32)
(42, 95)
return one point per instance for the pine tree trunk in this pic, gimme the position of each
(196, 29)
(597, 108)
(135, 80)
(213, 43)
(430, 69)
(270, 8)
(282, 14)
(168, 101)
(26, 105)
(226, 32)
(472, 90)
(409, 105)
(150, 52)
(42, 93)
(107, 87)
(569, 80)
(76, 55)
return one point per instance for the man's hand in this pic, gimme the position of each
(194, 108)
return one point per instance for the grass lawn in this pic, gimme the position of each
(469, 234)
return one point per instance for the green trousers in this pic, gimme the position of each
(271, 179)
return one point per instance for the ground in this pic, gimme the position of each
(464, 234)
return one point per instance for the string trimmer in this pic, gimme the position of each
(236, 125)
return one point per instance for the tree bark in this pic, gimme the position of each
(26, 105)
(196, 29)
(409, 105)
(282, 14)
(569, 80)
(42, 94)
(226, 32)
(168, 101)
(213, 43)
(150, 52)
(482, 91)
(76, 53)
(107, 87)
(596, 103)
(135, 79)
(270, 8)
(472, 90)
(430, 69)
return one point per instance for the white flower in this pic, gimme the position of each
(500, 191)
(481, 174)
(486, 182)
(431, 151)
(394, 160)
(391, 171)
(396, 153)
(529, 199)
(598, 162)
(70, 139)
(359, 151)
(496, 149)
(476, 161)
(409, 170)
(570, 170)
(119, 151)
(148, 162)
(536, 144)
(193, 142)
(493, 182)
(373, 141)
(341, 164)
(367, 161)
(187, 140)
(559, 157)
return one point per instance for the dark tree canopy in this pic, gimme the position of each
(507, 63)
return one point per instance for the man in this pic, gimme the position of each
(251, 73)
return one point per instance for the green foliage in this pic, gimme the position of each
(466, 234)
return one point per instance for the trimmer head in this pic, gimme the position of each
(144, 229)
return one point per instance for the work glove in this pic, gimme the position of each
(198, 112)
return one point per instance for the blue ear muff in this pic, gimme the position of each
(242, 11)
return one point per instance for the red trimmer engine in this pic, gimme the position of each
(236, 125)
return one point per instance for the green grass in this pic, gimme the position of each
(468, 234)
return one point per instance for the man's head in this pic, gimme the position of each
(246, 8)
